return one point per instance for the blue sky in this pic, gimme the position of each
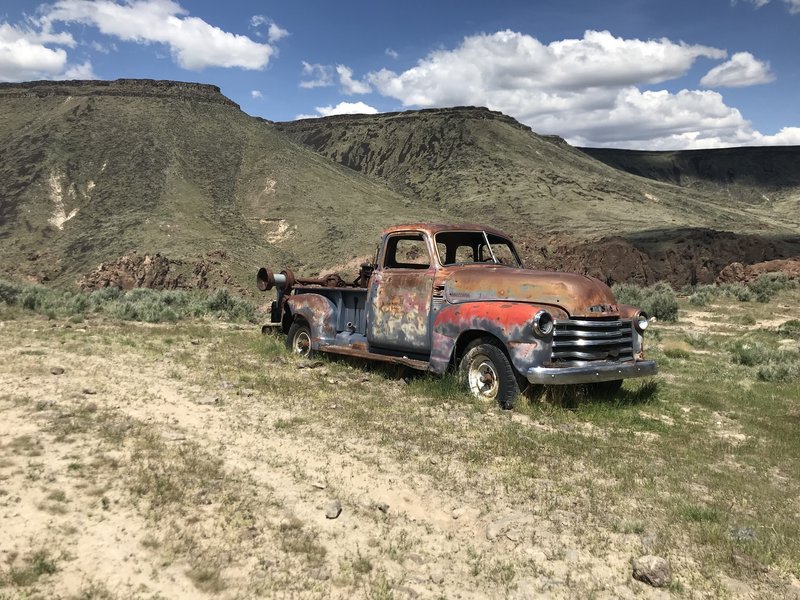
(618, 73)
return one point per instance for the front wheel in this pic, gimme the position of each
(488, 374)
(298, 341)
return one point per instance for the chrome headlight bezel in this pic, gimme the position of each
(641, 321)
(543, 323)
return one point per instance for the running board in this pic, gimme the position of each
(357, 353)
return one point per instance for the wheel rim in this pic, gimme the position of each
(301, 343)
(482, 377)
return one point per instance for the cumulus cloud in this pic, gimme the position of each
(256, 94)
(349, 85)
(81, 71)
(343, 108)
(317, 75)
(588, 90)
(25, 53)
(743, 69)
(193, 43)
(276, 33)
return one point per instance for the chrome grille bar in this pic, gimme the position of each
(588, 339)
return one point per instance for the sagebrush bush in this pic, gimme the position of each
(657, 300)
(139, 304)
(767, 286)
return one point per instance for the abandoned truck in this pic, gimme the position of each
(441, 296)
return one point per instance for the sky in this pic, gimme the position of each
(640, 74)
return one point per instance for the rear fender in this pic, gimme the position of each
(508, 322)
(320, 314)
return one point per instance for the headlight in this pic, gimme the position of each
(640, 321)
(542, 323)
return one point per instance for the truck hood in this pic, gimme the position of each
(579, 295)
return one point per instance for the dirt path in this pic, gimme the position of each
(135, 480)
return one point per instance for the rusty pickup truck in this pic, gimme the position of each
(442, 296)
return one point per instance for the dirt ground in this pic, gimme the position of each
(128, 470)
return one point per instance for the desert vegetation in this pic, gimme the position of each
(213, 459)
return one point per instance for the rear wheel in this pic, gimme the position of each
(298, 341)
(486, 371)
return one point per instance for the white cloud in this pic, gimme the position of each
(391, 53)
(82, 71)
(343, 108)
(742, 70)
(586, 90)
(793, 5)
(256, 94)
(23, 54)
(349, 85)
(276, 33)
(193, 43)
(320, 75)
(103, 48)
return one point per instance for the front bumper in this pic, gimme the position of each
(588, 373)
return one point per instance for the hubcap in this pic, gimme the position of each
(482, 376)
(302, 343)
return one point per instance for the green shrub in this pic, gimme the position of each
(657, 300)
(790, 328)
(751, 353)
(781, 371)
(767, 285)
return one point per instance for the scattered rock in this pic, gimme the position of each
(333, 509)
(320, 485)
(515, 535)
(742, 534)
(653, 570)
(437, 577)
(382, 506)
(748, 563)
(320, 573)
(416, 558)
(407, 590)
(195, 342)
(250, 533)
(310, 364)
(208, 401)
(57, 371)
(89, 391)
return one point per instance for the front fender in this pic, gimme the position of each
(509, 322)
(319, 312)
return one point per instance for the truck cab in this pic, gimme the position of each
(457, 296)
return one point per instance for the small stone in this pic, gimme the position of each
(571, 556)
(333, 509)
(434, 460)
(521, 419)
(407, 590)
(250, 533)
(89, 391)
(653, 570)
(416, 558)
(320, 485)
(195, 342)
(57, 371)
(208, 401)
(437, 577)
(320, 573)
(247, 392)
(742, 534)
(515, 535)
(382, 506)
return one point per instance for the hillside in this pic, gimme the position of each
(755, 175)
(170, 184)
(570, 210)
(91, 171)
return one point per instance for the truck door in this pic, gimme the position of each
(399, 304)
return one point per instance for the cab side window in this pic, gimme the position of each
(407, 251)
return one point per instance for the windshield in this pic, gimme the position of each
(468, 247)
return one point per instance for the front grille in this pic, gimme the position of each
(589, 339)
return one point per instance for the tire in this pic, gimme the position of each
(604, 389)
(487, 373)
(298, 340)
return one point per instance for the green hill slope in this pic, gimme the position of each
(90, 171)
